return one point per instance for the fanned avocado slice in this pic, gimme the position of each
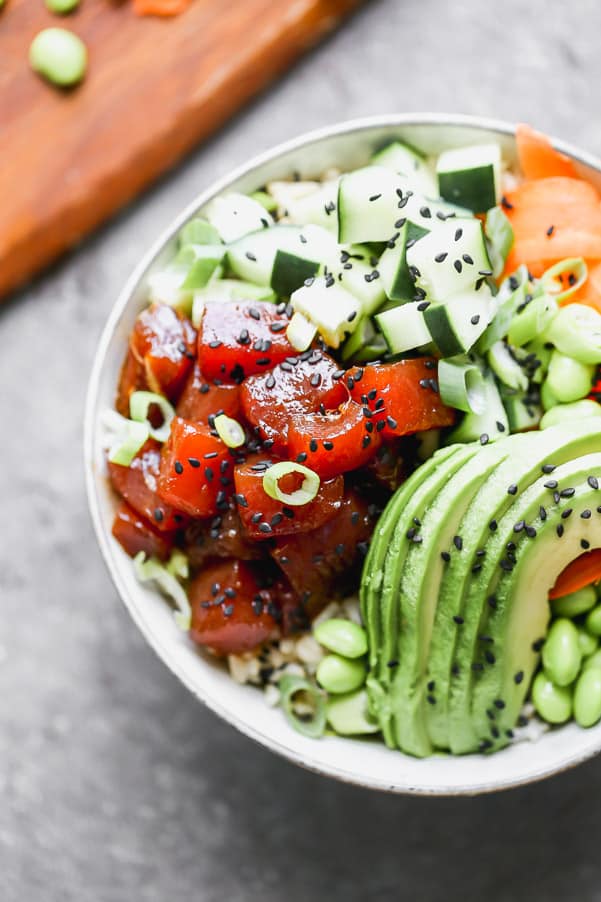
(404, 627)
(548, 528)
(371, 583)
(529, 454)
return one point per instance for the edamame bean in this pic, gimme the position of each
(348, 714)
(587, 697)
(342, 636)
(339, 675)
(548, 399)
(561, 653)
(61, 7)
(568, 379)
(553, 703)
(59, 56)
(593, 621)
(588, 644)
(562, 413)
(575, 603)
(593, 661)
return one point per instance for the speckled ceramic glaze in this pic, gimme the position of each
(364, 762)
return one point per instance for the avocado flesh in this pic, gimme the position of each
(522, 607)
(404, 631)
(371, 582)
(529, 452)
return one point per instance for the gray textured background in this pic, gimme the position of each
(115, 786)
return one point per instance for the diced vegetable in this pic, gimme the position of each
(331, 308)
(584, 571)
(537, 158)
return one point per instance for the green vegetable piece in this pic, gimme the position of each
(59, 56)
(568, 379)
(61, 7)
(593, 621)
(532, 320)
(548, 399)
(339, 675)
(308, 489)
(303, 705)
(198, 231)
(266, 200)
(140, 403)
(593, 660)
(578, 410)
(575, 603)
(576, 331)
(561, 652)
(553, 703)
(349, 715)
(499, 232)
(342, 637)
(588, 644)
(565, 278)
(587, 697)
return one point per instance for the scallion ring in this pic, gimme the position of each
(300, 332)
(153, 570)
(304, 705)
(499, 232)
(461, 385)
(303, 495)
(229, 431)
(565, 278)
(123, 438)
(140, 403)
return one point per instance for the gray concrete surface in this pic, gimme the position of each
(115, 785)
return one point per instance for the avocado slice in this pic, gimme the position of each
(552, 530)
(468, 592)
(371, 582)
(405, 629)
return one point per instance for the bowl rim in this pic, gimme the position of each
(124, 297)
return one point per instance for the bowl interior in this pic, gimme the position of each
(365, 762)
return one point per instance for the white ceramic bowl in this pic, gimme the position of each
(363, 762)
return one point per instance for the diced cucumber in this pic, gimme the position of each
(490, 425)
(235, 215)
(282, 257)
(456, 325)
(165, 287)
(409, 162)
(333, 309)
(404, 328)
(365, 343)
(354, 270)
(235, 290)
(200, 261)
(368, 205)
(308, 202)
(393, 268)
(506, 367)
(471, 176)
(450, 259)
(522, 412)
(198, 231)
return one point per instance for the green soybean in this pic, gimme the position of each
(587, 697)
(593, 661)
(59, 56)
(342, 637)
(339, 675)
(575, 603)
(61, 7)
(588, 644)
(561, 652)
(548, 399)
(593, 621)
(349, 715)
(568, 379)
(579, 410)
(553, 703)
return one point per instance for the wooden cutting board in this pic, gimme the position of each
(154, 88)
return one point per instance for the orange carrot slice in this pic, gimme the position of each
(160, 7)
(537, 157)
(582, 572)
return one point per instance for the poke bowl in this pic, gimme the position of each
(344, 418)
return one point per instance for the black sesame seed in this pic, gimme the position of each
(158, 515)
(593, 482)
(178, 467)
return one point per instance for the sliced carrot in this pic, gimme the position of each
(582, 572)
(160, 7)
(553, 218)
(537, 157)
(590, 293)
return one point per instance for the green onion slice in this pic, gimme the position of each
(229, 431)
(565, 278)
(304, 705)
(178, 565)
(152, 570)
(576, 332)
(198, 231)
(303, 495)
(499, 232)
(532, 321)
(461, 384)
(198, 309)
(266, 200)
(140, 403)
(300, 332)
(506, 368)
(123, 437)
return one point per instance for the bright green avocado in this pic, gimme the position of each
(453, 612)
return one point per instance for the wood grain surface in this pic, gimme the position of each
(154, 88)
